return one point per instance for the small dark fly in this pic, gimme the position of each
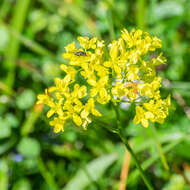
(80, 53)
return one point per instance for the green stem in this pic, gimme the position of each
(111, 25)
(30, 121)
(159, 147)
(46, 174)
(4, 9)
(124, 140)
(17, 22)
(141, 11)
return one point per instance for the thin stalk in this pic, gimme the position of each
(30, 121)
(159, 148)
(111, 25)
(17, 22)
(141, 11)
(124, 140)
(4, 9)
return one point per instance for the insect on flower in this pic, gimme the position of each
(80, 53)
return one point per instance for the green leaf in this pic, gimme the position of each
(11, 120)
(93, 171)
(3, 174)
(26, 99)
(7, 145)
(22, 184)
(4, 38)
(183, 149)
(176, 182)
(29, 147)
(167, 9)
(3, 181)
(5, 129)
(38, 20)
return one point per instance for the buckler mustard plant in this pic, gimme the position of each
(128, 73)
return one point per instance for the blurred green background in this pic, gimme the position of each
(33, 34)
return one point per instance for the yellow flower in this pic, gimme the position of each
(79, 91)
(58, 124)
(87, 43)
(61, 85)
(77, 119)
(114, 50)
(92, 78)
(142, 116)
(150, 89)
(71, 72)
(159, 108)
(99, 88)
(55, 108)
(119, 89)
(90, 108)
(132, 73)
(132, 92)
(44, 98)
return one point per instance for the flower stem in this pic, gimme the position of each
(124, 140)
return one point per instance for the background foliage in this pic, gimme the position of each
(32, 37)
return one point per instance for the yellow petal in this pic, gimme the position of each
(96, 112)
(58, 128)
(107, 63)
(50, 113)
(144, 122)
(77, 120)
(93, 92)
(149, 115)
(84, 113)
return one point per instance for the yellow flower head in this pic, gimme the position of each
(127, 73)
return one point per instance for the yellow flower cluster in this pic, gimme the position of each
(127, 73)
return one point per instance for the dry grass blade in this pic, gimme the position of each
(125, 170)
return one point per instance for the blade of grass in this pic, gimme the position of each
(125, 170)
(30, 121)
(159, 147)
(6, 89)
(7, 145)
(46, 174)
(140, 14)
(163, 138)
(111, 26)
(180, 84)
(4, 9)
(146, 164)
(34, 46)
(95, 169)
(4, 175)
(49, 6)
(17, 22)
